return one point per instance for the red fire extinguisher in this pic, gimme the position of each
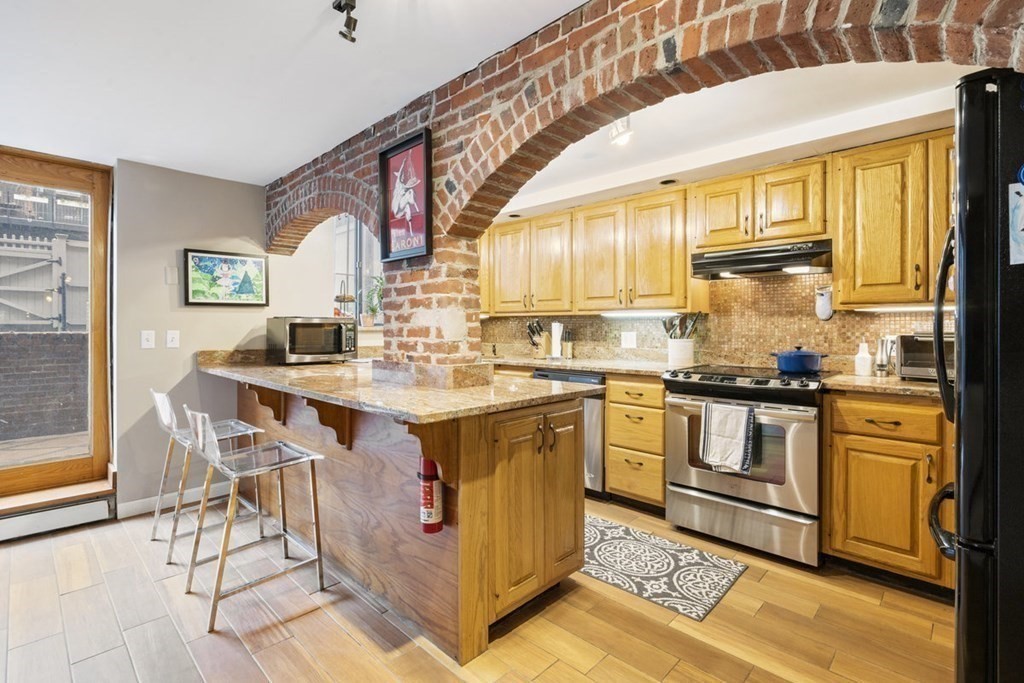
(431, 499)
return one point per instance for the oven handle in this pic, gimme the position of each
(792, 415)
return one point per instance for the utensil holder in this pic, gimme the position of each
(680, 353)
(543, 350)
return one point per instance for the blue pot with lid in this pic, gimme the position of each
(799, 361)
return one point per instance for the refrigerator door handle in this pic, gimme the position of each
(946, 540)
(946, 389)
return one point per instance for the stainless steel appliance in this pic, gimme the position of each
(311, 340)
(915, 354)
(987, 247)
(775, 507)
(593, 426)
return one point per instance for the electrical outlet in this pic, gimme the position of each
(147, 339)
(173, 339)
(629, 340)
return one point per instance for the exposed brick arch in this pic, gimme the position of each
(499, 124)
(312, 200)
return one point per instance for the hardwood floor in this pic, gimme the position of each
(98, 603)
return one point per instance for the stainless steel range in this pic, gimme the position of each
(775, 507)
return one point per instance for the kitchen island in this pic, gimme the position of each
(510, 456)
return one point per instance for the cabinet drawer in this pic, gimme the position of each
(637, 392)
(909, 422)
(638, 428)
(635, 475)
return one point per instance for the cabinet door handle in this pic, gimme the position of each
(917, 277)
(524, 301)
(873, 421)
(635, 394)
(746, 225)
(540, 431)
(620, 296)
(631, 295)
(635, 418)
(930, 462)
(631, 462)
(554, 437)
(760, 223)
(533, 303)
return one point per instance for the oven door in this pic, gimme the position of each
(785, 471)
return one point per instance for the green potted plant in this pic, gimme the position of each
(372, 301)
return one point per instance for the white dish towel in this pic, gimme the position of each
(727, 437)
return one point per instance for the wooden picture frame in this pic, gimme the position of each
(407, 198)
(225, 278)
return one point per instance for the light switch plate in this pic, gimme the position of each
(173, 339)
(147, 339)
(170, 275)
(629, 340)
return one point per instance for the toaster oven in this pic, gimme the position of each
(915, 355)
(292, 341)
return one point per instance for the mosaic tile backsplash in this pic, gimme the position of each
(749, 318)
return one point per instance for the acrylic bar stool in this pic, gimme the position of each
(274, 456)
(225, 430)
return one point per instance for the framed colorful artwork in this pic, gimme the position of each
(221, 278)
(407, 199)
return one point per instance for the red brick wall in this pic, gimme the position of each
(495, 126)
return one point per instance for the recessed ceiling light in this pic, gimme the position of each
(620, 131)
(515, 215)
(667, 181)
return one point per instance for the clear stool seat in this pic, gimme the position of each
(266, 457)
(223, 429)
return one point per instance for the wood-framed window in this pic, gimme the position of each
(54, 321)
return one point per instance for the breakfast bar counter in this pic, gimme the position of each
(509, 456)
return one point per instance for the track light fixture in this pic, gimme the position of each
(347, 7)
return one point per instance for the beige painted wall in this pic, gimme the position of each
(158, 212)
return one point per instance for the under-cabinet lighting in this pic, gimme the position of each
(797, 270)
(726, 275)
(484, 316)
(913, 308)
(637, 314)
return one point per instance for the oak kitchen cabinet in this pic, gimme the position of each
(635, 438)
(600, 257)
(885, 459)
(531, 265)
(536, 501)
(484, 278)
(776, 205)
(941, 202)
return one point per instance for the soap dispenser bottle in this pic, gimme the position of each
(862, 362)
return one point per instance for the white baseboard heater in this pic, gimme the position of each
(51, 519)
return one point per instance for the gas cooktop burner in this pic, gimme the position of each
(736, 381)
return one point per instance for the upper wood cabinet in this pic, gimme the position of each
(722, 211)
(656, 260)
(941, 202)
(600, 257)
(789, 201)
(882, 222)
(510, 275)
(485, 272)
(551, 264)
(536, 501)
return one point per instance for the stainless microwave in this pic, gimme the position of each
(915, 355)
(311, 340)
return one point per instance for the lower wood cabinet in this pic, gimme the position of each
(879, 484)
(634, 456)
(536, 501)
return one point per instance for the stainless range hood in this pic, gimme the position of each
(788, 259)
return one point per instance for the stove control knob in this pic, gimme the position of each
(784, 381)
(674, 373)
(687, 375)
(803, 383)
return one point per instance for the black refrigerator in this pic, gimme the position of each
(986, 397)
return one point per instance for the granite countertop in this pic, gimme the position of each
(882, 385)
(351, 385)
(622, 367)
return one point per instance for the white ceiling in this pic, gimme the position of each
(756, 121)
(240, 89)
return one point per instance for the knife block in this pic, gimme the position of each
(544, 348)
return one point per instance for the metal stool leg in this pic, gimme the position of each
(199, 529)
(177, 504)
(315, 504)
(284, 513)
(163, 485)
(223, 559)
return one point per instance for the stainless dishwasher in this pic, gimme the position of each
(593, 426)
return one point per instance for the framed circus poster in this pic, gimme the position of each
(221, 278)
(407, 199)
